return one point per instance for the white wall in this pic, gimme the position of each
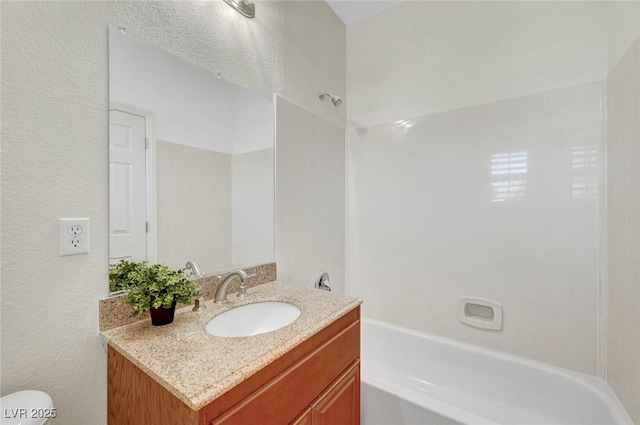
(215, 208)
(252, 207)
(315, 58)
(252, 122)
(310, 202)
(190, 103)
(417, 57)
(429, 222)
(476, 79)
(193, 106)
(623, 202)
(623, 27)
(194, 206)
(54, 163)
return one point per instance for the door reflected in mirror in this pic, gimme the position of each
(191, 163)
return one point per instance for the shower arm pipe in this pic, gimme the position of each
(334, 99)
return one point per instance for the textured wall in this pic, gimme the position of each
(54, 162)
(623, 202)
(191, 104)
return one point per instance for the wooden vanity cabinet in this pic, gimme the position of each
(339, 404)
(317, 382)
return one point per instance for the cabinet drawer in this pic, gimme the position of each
(282, 399)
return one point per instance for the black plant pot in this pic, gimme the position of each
(162, 316)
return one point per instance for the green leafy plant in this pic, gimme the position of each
(119, 279)
(150, 286)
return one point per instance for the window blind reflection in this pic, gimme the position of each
(508, 176)
(584, 165)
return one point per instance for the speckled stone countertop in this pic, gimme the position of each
(198, 367)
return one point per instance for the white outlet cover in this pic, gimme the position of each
(73, 235)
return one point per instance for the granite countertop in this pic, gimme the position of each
(198, 367)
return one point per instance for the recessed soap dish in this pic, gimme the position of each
(480, 313)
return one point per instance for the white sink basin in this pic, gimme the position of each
(253, 319)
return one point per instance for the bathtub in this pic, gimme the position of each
(414, 378)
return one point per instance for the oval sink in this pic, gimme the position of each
(253, 319)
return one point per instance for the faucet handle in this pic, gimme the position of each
(198, 301)
(198, 304)
(242, 290)
(192, 270)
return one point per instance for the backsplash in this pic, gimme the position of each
(113, 313)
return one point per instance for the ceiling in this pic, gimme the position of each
(351, 11)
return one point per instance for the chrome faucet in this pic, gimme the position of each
(225, 280)
(191, 270)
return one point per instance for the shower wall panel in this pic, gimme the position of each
(310, 196)
(623, 202)
(498, 201)
(189, 176)
(252, 207)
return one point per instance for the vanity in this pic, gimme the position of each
(307, 372)
(194, 137)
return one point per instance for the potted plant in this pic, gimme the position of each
(152, 287)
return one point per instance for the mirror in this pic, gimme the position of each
(191, 163)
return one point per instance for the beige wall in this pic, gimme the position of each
(194, 206)
(54, 160)
(252, 207)
(214, 208)
(623, 202)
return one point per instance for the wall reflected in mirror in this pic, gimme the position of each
(191, 162)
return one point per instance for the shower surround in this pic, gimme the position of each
(497, 201)
(476, 167)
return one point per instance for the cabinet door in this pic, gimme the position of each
(340, 403)
(303, 419)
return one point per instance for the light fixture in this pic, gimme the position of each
(245, 7)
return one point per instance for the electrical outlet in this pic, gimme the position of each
(74, 236)
(75, 230)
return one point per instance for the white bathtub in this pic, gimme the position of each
(419, 379)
